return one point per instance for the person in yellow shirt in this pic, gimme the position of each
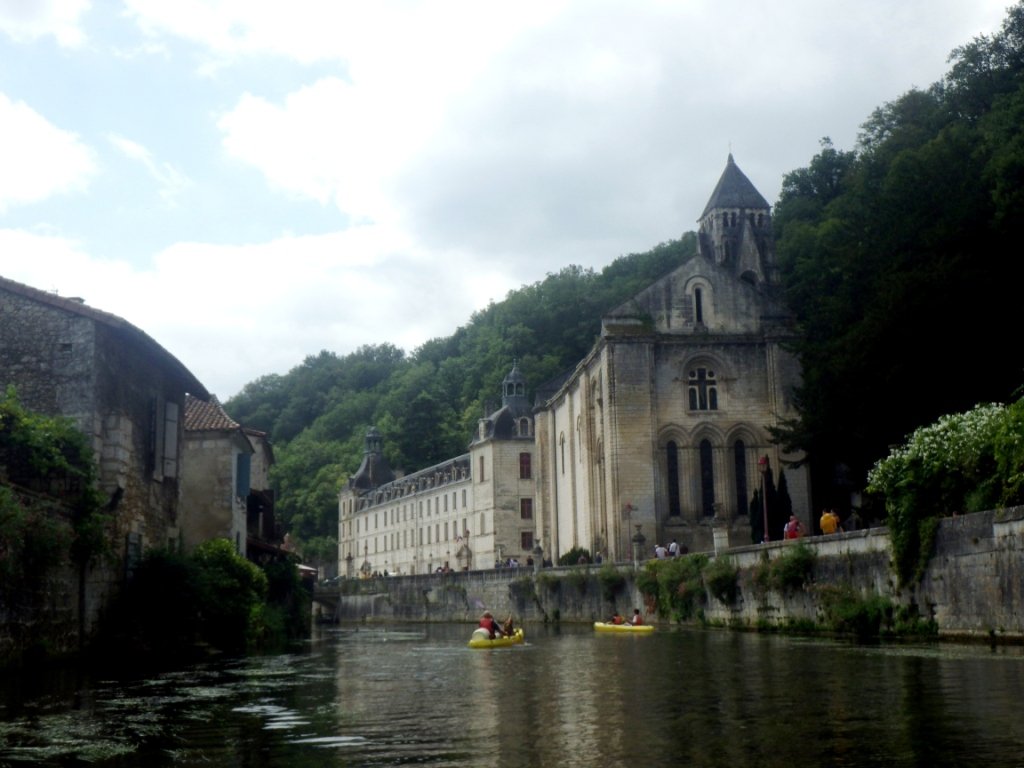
(829, 522)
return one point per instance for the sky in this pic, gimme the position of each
(252, 181)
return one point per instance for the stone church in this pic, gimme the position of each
(662, 430)
(660, 433)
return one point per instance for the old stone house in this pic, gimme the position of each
(465, 513)
(225, 490)
(662, 429)
(127, 395)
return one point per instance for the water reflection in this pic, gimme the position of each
(568, 697)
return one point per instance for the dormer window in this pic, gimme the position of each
(703, 390)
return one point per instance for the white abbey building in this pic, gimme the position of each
(664, 425)
(464, 514)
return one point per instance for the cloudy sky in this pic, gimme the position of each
(253, 181)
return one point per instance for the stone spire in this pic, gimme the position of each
(735, 229)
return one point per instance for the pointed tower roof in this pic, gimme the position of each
(734, 190)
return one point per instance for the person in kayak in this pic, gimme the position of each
(487, 622)
(637, 619)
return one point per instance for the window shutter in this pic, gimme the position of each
(170, 466)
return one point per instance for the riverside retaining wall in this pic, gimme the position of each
(972, 588)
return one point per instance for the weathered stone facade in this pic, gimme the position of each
(125, 392)
(215, 485)
(663, 425)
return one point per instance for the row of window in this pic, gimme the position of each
(525, 513)
(707, 478)
(391, 541)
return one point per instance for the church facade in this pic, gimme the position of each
(661, 433)
(663, 430)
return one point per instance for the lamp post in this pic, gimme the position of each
(638, 545)
(762, 463)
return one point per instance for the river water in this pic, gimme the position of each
(417, 695)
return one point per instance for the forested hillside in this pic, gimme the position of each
(901, 260)
(426, 403)
(898, 256)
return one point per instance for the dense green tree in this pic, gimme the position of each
(427, 404)
(897, 260)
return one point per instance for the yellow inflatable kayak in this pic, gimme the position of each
(604, 626)
(482, 639)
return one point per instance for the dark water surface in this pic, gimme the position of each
(416, 695)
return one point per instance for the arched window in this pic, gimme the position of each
(703, 390)
(698, 305)
(740, 463)
(707, 480)
(673, 479)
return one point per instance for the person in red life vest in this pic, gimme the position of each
(637, 619)
(487, 622)
(616, 619)
(793, 529)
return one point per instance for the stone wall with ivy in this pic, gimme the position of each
(845, 583)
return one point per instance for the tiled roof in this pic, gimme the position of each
(202, 416)
(734, 190)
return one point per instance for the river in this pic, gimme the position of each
(417, 695)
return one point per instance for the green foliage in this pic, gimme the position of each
(721, 576)
(34, 541)
(675, 586)
(944, 468)
(572, 557)
(847, 612)
(578, 578)
(522, 590)
(879, 249)
(611, 580)
(792, 569)
(288, 604)
(156, 614)
(908, 622)
(427, 404)
(230, 594)
(214, 597)
(551, 583)
(50, 456)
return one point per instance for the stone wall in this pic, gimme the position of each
(973, 587)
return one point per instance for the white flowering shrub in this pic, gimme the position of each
(948, 467)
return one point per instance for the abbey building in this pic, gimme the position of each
(662, 430)
(466, 513)
(665, 424)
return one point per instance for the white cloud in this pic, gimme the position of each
(38, 159)
(170, 181)
(327, 142)
(232, 313)
(26, 21)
